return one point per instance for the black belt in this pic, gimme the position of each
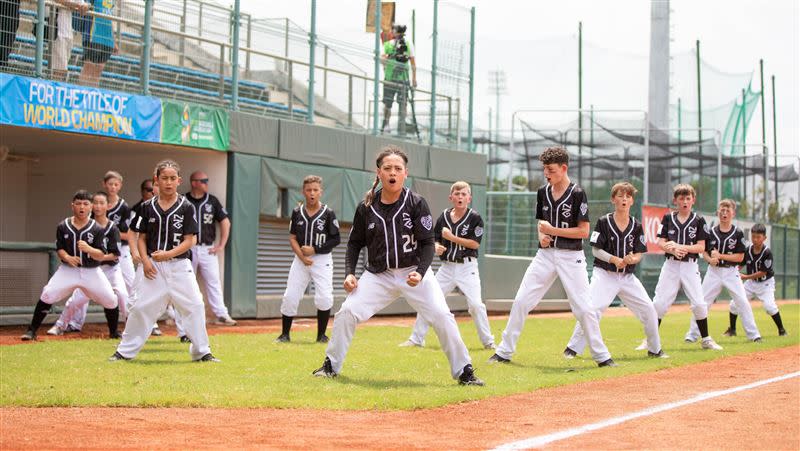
(465, 259)
(688, 260)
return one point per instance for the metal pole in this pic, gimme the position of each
(764, 143)
(719, 173)
(39, 38)
(286, 43)
(349, 100)
(775, 141)
(470, 146)
(146, 46)
(435, 37)
(181, 57)
(591, 149)
(580, 104)
(492, 149)
(699, 117)
(449, 117)
(508, 186)
(680, 140)
(235, 57)
(312, 57)
(291, 89)
(743, 118)
(200, 20)
(646, 182)
(249, 42)
(414, 25)
(325, 75)
(376, 81)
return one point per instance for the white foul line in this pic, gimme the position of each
(541, 440)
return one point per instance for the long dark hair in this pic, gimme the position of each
(390, 149)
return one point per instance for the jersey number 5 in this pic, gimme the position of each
(409, 243)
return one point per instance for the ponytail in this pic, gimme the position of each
(390, 149)
(368, 198)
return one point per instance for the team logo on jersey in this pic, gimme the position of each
(692, 232)
(371, 226)
(66, 235)
(566, 210)
(407, 222)
(426, 222)
(336, 223)
(116, 218)
(320, 225)
(705, 228)
(642, 239)
(478, 231)
(464, 229)
(152, 220)
(546, 208)
(300, 222)
(767, 263)
(630, 241)
(731, 245)
(90, 236)
(208, 208)
(177, 221)
(584, 208)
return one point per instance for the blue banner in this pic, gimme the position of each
(33, 102)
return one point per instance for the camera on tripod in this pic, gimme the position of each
(401, 46)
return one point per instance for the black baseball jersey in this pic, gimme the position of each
(398, 235)
(565, 212)
(730, 242)
(121, 215)
(165, 230)
(67, 237)
(619, 243)
(111, 242)
(690, 232)
(320, 231)
(470, 226)
(762, 261)
(208, 209)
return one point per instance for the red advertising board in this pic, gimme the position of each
(651, 220)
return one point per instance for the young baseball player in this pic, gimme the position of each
(682, 235)
(759, 280)
(396, 227)
(167, 231)
(148, 191)
(458, 234)
(313, 233)
(563, 213)
(74, 313)
(618, 244)
(725, 250)
(79, 244)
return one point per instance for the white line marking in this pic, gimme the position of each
(539, 441)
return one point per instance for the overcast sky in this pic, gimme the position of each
(534, 42)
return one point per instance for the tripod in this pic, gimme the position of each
(410, 98)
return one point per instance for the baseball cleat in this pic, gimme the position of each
(756, 340)
(115, 336)
(709, 343)
(326, 370)
(55, 330)
(117, 356)
(609, 363)
(156, 332)
(322, 338)
(642, 346)
(729, 332)
(283, 338)
(209, 358)
(225, 321)
(569, 353)
(71, 329)
(690, 340)
(657, 355)
(468, 377)
(782, 333)
(185, 339)
(29, 335)
(497, 359)
(411, 344)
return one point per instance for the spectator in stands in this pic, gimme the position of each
(98, 42)
(9, 23)
(62, 43)
(398, 53)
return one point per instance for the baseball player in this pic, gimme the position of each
(74, 313)
(167, 231)
(204, 253)
(458, 234)
(618, 244)
(313, 233)
(396, 227)
(682, 235)
(725, 250)
(79, 244)
(759, 282)
(563, 213)
(148, 191)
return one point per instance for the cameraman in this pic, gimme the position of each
(398, 53)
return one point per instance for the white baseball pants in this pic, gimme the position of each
(674, 275)
(765, 291)
(376, 291)
(320, 272)
(126, 266)
(466, 277)
(570, 267)
(207, 265)
(175, 282)
(715, 279)
(604, 287)
(68, 279)
(74, 313)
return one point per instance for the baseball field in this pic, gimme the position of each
(62, 393)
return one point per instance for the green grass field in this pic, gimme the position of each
(377, 374)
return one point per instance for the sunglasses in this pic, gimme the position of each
(203, 181)
(149, 190)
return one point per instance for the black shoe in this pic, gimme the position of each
(71, 330)
(729, 332)
(185, 339)
(756, 340)
(322, 338)
(115, 336)
(657, 355)
(468, 377)
(782, 333)
(117, 356)
(209, 358)
(569, 353)
(29, 335)
(497, 359)
(283, 338)
(326, 370)
(608, 363)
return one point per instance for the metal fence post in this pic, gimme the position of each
(286, 44)
(349, 100)
(785, 261)
(249, 41)
(470, 147)
(325, 76)
(377, 64)
(182, 56)
(449, 117)
(235, 57)
(291, 89)
(39, 39)
(200, 20)
(312, 58)
(222, 73)
(435, 37)
(146, 47)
